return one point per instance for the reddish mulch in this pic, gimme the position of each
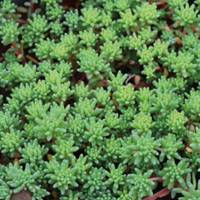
(23, 195)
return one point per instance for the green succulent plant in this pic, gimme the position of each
(140, 185)
(9, 32)
(142, 150)
(99, 99)
(173, 173)
(60, 175)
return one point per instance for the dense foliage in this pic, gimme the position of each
(100, 101)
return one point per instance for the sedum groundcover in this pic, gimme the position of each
(100, 100)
